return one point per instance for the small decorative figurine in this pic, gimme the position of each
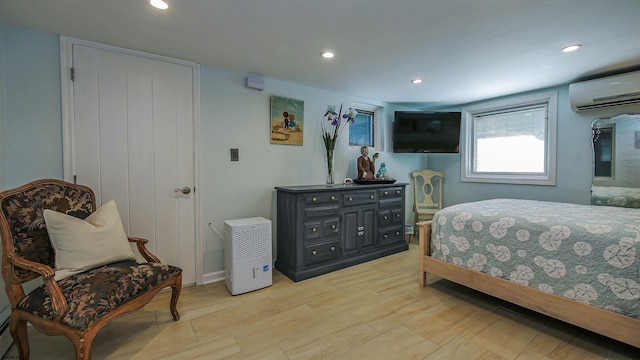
(382, 173)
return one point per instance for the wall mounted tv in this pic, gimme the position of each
(426, 132)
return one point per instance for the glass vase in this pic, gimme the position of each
(330, 179)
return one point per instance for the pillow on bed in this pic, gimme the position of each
(82, 245)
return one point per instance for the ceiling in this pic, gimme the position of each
(463, 50)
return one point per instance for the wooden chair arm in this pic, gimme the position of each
(143, 249)
(59, 304)
(42, 269)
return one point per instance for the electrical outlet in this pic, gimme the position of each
(234, 155)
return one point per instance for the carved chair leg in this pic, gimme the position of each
(175, 294)
(83, 348)
(18, 330)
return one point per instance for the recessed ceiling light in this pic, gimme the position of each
(416, 81)
(327, 54)
(159, 4)
(570, 48)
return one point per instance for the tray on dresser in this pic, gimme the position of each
(375, 181)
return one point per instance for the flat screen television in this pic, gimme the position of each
(426, 132)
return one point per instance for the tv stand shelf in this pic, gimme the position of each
(322, 229)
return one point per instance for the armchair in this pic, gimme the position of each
(77, 306)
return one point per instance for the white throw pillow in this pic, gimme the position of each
(82, 245)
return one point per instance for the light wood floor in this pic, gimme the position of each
(370, 311)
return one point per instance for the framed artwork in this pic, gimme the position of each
(287, 121)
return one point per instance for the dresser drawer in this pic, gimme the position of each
(320, 211)
(390, 236)
(397, 216)
(390, 192)
(321, 228)
(321, 252)
(384, 218)
(361, 197)
(321, 198)
(390, 217)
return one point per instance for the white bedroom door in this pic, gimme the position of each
(133, 141)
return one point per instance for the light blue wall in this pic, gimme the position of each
(5, 307)
(32, 128)
(30, 112)
(574, 162)
(2, 110)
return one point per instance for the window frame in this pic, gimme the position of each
(376, 131)
(547, 177)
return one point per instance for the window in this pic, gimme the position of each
(364, 131)
(511, 141)
(361, 130)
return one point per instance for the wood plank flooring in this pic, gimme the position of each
(370, 311)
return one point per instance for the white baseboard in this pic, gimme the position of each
(213, 277)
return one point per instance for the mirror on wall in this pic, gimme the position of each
(616, 161)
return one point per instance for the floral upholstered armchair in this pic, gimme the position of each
(79, 304)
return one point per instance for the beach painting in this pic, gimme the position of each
(287, 121)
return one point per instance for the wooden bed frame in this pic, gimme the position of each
(604, 322)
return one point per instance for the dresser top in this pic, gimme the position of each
(337, 187)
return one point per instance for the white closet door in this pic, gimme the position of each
(133, 141)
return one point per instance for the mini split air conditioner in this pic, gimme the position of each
(247, 254)
(608, 91)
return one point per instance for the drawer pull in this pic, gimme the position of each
(314, 199)
(397, 232)
(386, 193)
(397, 192)
(333, 226)
(314, 229)
(333, 248)
(397, 215)
(333, 198)
(371, 197)
(386, 236)
(350, 198)
(314, 253)
(386, 217)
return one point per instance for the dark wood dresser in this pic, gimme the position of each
(322, 229)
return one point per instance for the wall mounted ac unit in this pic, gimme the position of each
(608, 91)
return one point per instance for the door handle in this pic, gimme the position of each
(185, 190)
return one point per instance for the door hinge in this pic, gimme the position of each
(73, 74)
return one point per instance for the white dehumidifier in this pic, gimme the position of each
(247, 254)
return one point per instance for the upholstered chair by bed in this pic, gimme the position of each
(76, 305)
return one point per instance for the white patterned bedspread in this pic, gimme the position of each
(583, 252)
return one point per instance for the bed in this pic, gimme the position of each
(576, 263)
